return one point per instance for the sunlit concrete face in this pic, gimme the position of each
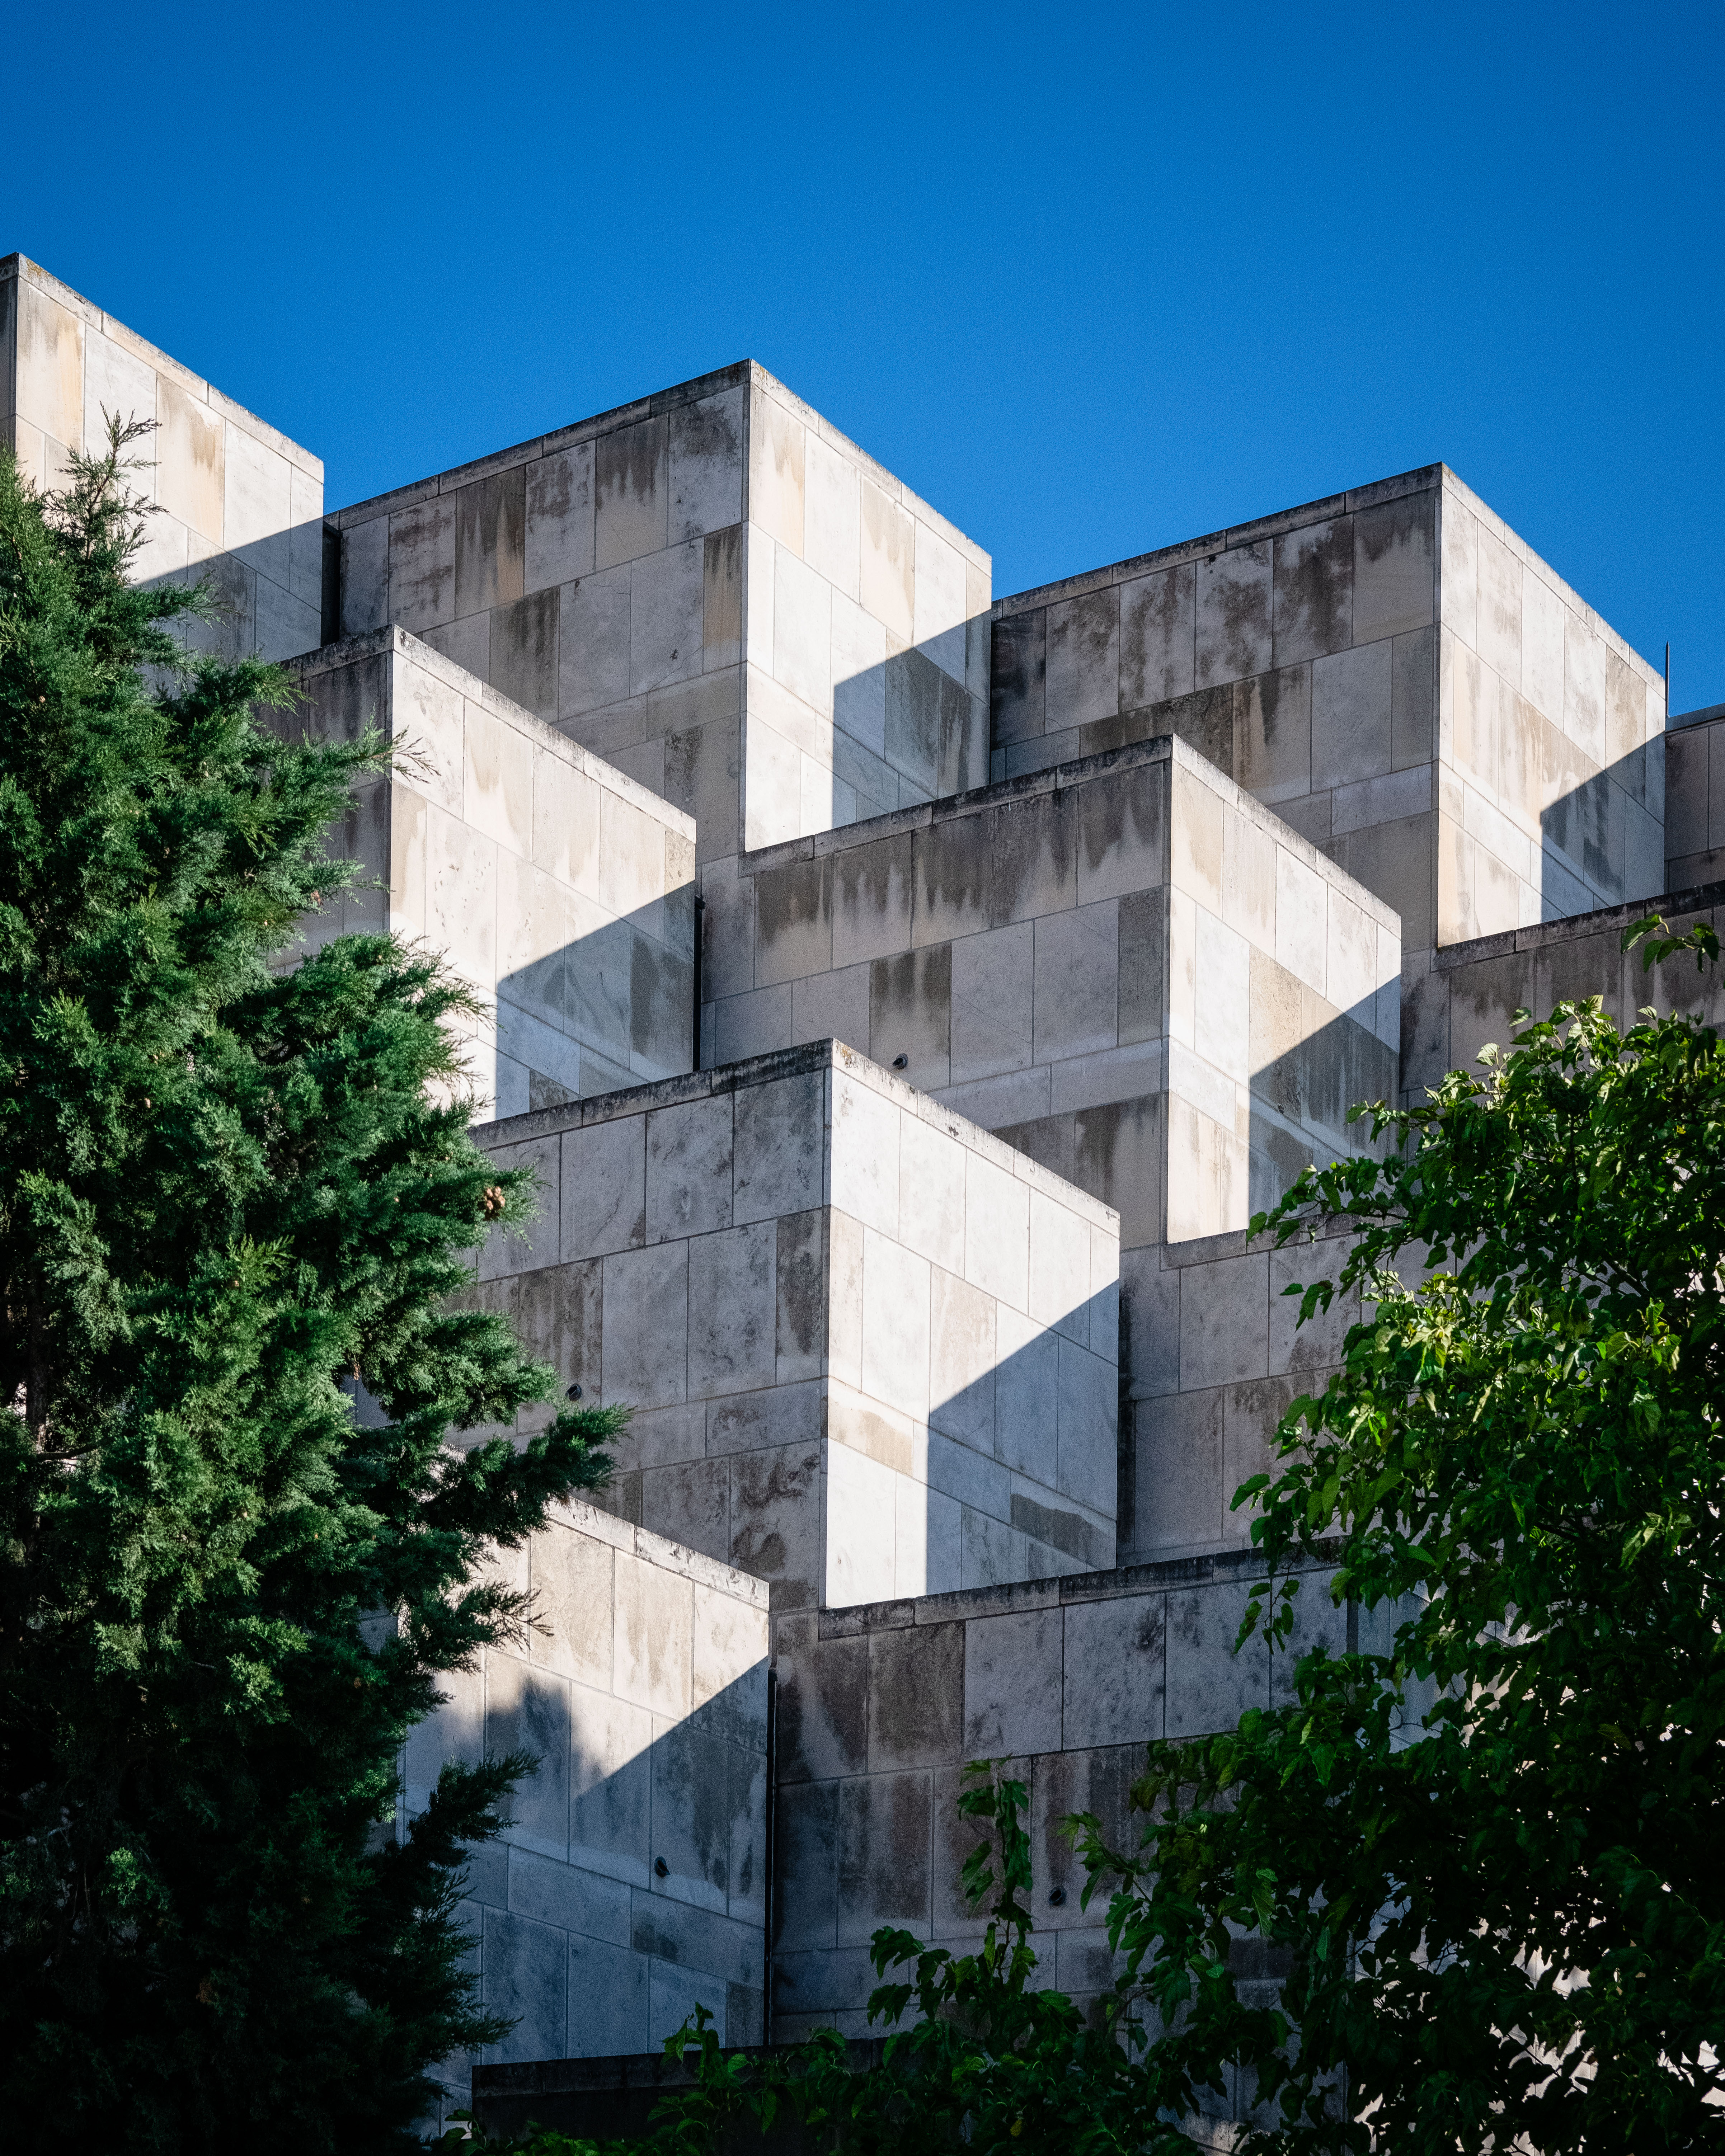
(1398, 674)
(559, 889)
(1126, 965)
(234, 504)
(871, 1350)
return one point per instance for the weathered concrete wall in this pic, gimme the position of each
(1298, 654)
(1126, 966)
(1083, 940)
(1550, 740)
(592, 575)
(1393, 671)
(561, 889)
(642, 1686)
(1218, 1361)
(237, 502)
(870, 1348)
(1475, 988)
(714, 590)
(879, 1708)
(1695, 798)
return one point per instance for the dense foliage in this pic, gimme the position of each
(226, 1193)
(1486, 1856)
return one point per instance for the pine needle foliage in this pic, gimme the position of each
(229, 1188)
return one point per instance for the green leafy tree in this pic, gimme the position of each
(1487, 1857)
(226, 1193)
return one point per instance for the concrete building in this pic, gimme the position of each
(906, 997)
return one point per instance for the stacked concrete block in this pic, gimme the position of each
(870, 1349)
(1551, 740)
(1139, 881)
(236, 504)
(1694, 805)
(630, 1883)
(713, 589)
(1051, 956)
(1126, 966)
(563, 890)
(1298, 654)
(866, 638)
(879, 1709)
(1395, 672)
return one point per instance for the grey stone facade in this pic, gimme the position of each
(713, 589)
(1695, 798)
(905, 998)
(880, 1707)
(237, 505)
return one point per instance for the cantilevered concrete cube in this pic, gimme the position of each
(1399, 676)
(1125, 965)
(871, 1350)
(562, 890)
(713, 589)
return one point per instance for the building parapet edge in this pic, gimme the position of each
(1161, 748)
(1694, 900)
(796, 1062)
(372, 643)
(1268, 526)
(20, 267)
(1160, 1575)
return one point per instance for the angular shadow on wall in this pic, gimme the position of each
(259, 607)
(1300, 1099)
(630, 1883)
(1602, 839)
(903, 730)
(614, 1008)
(1013, 1474)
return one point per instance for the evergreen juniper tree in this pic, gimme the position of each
(229, 1187)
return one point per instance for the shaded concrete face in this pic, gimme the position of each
(867, 1347)
(714, 590)
(1395, 672)
(560, 889)
(1130, 970)
(1551, 735)
(1695, 799)
(631, 1882)
(880, 1707)
(235, 504)
(595, 577)
(1469, 997)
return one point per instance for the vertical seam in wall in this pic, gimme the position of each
(771, 1857)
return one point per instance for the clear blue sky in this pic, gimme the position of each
(1091, 280)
